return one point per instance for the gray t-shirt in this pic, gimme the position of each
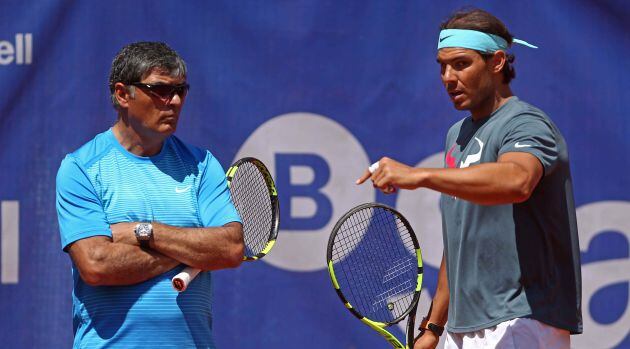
(515, 260)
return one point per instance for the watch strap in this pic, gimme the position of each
(437, 329)
(425, 325)
(144, 244)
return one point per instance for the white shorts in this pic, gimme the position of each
(520, 333)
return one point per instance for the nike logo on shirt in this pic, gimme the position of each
(518, 145)
(182, 190)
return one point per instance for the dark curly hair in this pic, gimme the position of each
(480, 20)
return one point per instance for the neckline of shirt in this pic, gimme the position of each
(134, 157)
(510, 100)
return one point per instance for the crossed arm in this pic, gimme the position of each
(120, 260)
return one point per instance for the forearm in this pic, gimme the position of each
(116, 264)
(485, 184)
(438, 312)
(209, 248)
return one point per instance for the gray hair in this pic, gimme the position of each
(136, 61)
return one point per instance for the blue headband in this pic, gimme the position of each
(475, 40)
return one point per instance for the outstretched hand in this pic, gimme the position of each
(390, 175)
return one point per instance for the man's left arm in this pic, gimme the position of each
(217, 244)
(207, 248)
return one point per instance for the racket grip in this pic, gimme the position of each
(181, 281)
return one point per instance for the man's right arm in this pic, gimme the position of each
(86, 235)
(438, 312)
(102, 262)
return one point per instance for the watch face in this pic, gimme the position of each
(144, 231)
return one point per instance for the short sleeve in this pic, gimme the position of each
(79, 209)
(215, 204)
(533, 134)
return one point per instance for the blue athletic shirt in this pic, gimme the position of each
(101, 184)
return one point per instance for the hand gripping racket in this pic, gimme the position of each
(375, 265)
(255, 197)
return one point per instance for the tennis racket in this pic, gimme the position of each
(375, 265)
(255, 197)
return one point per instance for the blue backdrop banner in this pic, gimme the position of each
(317, 90)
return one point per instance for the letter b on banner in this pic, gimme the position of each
(300, 178)
(314, 161)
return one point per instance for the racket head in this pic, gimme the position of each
(375, 263)
(255, 197)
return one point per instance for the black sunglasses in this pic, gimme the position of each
(163, 91)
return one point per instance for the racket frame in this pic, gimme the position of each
(378, 326)
(275, 223)
(273, 195)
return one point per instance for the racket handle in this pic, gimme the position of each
(182, 280)
(411, 323)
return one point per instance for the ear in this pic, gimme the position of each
(498, 61)
(122, 94)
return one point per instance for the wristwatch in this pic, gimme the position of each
(425, 325)
(144, 234)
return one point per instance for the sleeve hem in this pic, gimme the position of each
(82, 235)
(535, 153)
(227, 220)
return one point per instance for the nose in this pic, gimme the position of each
(448, 75)
(176, 100)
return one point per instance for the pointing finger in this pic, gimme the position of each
(364, 177)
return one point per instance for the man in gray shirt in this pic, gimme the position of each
(511, 255)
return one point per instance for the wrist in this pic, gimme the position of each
(422, 176)
(428, 335)
(432, 327)
(144, 234)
